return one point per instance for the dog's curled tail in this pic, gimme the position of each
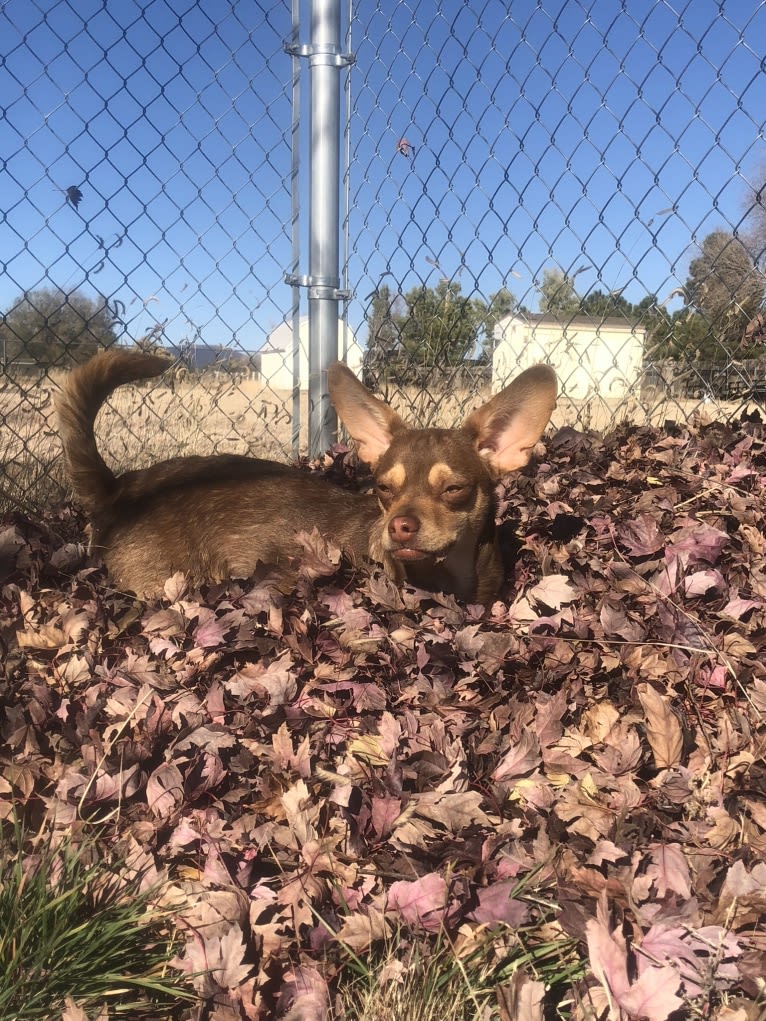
(82, 394)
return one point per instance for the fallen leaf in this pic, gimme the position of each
(662, 727)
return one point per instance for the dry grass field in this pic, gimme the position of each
(215, 414)
(140, 425)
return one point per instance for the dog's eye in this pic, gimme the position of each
(454, 490)
(383, 489)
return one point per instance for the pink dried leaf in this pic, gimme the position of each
(554, 591)
(384, 813)
(422, 902)
(701, 582)
(717, 679)
(670, 870)
(641, 536)
(184, 835)
(704, 958)
(521, 998)
(72, 1012)
(606, 851)
(215, 702)
(739, 606)
(211, 630)
(662, 727)
(520, 759)
(608, 958)
(165, 790)
(496, 903)
(390, 731)
(276, 680)
(743, 886)
(653, 995)
(225, 955)
(701, 543)
(367, 697)
(304, 996)
(175, 587)
(550, 711)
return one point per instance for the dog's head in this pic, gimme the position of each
(436, 486)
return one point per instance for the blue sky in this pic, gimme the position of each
(174, 121)
(577, 128)
(545, 133)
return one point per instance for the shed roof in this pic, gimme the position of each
(583, 321)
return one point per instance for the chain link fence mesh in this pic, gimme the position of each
(575, 182)
(147, 199)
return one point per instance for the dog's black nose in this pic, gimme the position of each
(403, 527)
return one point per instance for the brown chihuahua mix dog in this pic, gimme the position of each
(430, 523)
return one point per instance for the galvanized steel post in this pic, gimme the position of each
(325, 64)
(295, 227)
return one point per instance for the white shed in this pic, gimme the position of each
(276, 355)
(591, 357)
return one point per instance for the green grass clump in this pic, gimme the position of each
(72, 926)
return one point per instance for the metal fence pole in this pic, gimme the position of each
(325, 63)
(295, 227)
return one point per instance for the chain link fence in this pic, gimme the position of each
(572, 182)
(148, 199)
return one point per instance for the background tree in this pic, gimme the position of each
(383, 334)
(431, 327)
(601, 305)
(658, 323)
(441, 326)
(755, 217)
(683, 335)
(557, 294)
(726, 289)
(50, 327)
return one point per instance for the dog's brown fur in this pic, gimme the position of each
(432, 523)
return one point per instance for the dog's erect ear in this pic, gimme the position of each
(506, 428)
(370, 421)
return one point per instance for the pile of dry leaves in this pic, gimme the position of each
(321, 767)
